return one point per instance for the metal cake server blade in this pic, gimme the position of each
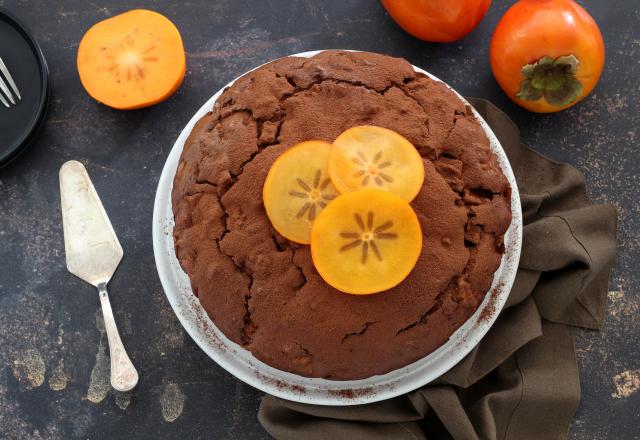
(93, 253)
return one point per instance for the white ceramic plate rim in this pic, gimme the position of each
(243, 365)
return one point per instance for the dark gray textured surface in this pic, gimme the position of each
(52, 358)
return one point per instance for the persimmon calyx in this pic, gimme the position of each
(555, 80)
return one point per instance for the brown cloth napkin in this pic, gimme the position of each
(521, 382)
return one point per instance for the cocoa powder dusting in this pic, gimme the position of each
(263, 291)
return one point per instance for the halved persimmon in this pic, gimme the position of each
(378, 158)
(132, 60)
(297, 188)
(366, 241)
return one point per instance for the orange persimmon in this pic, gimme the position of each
(441, 21)
(366, 241)
(297, 189)
(368, 156)
(133, 60)
(547, 55)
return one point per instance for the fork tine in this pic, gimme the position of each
(6, 91)
(4, 101)
(5, 72)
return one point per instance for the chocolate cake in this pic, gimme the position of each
(261, 290)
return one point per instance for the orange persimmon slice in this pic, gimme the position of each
(378, 158)
(366, 241)
(132, 60)
(297, 189)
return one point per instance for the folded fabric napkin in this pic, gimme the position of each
(521, 382)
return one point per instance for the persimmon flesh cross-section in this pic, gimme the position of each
(297, 189)
(371, 157)
(133, 60)
(366, 241)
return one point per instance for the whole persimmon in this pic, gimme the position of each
(547, 55)
(440, 21)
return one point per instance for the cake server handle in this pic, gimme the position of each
(123, 374)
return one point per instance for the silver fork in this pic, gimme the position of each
(5, 89)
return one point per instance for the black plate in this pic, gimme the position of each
(23, 57)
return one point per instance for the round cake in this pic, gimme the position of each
(262, 290)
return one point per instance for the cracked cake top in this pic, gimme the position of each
(262, 290)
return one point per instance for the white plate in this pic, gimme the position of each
(242, 364)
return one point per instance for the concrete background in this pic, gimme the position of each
(53, 360)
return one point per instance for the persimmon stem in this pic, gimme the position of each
(553, 80)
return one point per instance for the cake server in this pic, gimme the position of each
(93, 253)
